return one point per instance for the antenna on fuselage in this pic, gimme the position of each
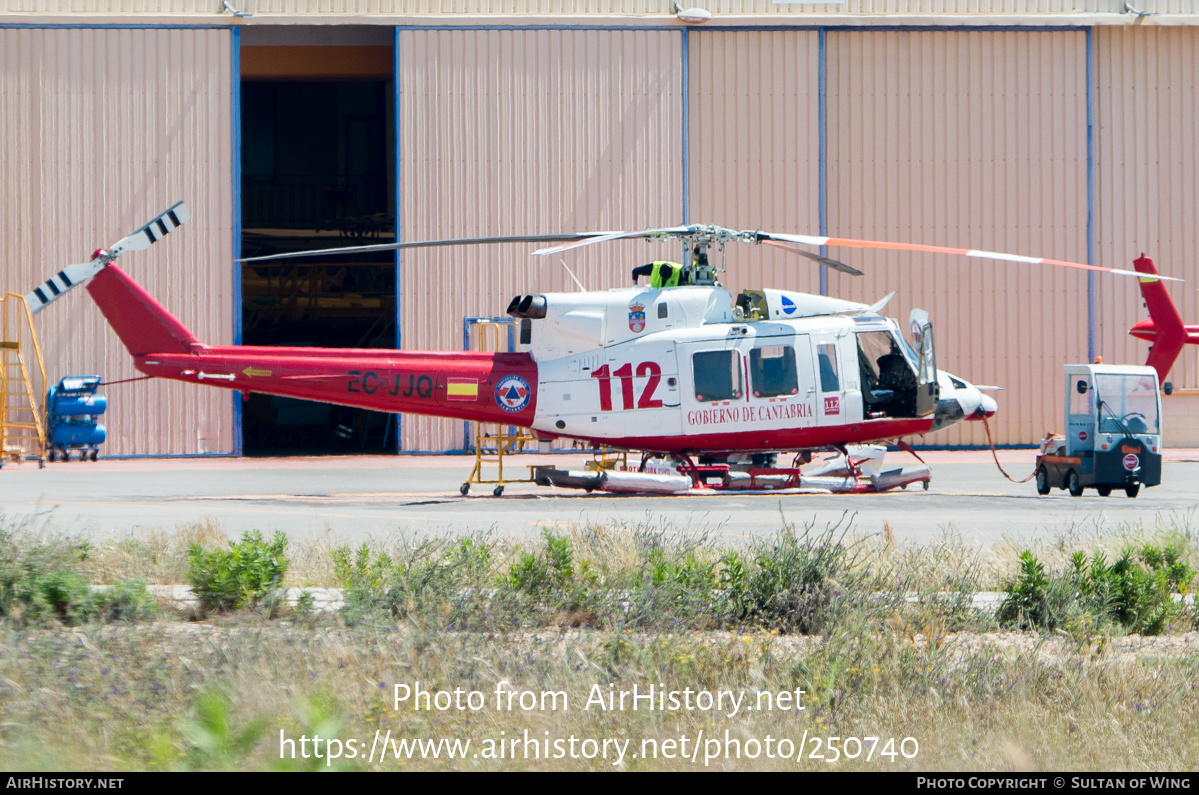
(572, 275)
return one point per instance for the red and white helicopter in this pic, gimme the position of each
(709, 386)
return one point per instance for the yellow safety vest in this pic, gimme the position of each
(655, 279)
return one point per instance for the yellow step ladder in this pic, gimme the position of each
(22, 427)
(492, 440)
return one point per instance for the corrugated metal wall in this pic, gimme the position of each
(1147, 181)
(528, 132)
(977, 140)
(717, 7)
(101, 131)
(587, 7)
(963, 138)
(755, 147)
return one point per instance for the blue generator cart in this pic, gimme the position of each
(72, 410)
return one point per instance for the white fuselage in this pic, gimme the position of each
(684, 370)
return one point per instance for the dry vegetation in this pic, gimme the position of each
(881, 636)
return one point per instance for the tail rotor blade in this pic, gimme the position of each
(156, 229)
(58, 284)
(74, 275)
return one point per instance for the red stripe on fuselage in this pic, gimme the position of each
(775, 439)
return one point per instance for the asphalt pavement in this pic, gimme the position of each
(356, 498)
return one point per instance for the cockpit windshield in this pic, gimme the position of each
(909, 353)
(1127, 400)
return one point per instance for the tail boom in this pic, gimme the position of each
(486, 387)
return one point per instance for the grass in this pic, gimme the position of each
(218, 696)
(880, 635)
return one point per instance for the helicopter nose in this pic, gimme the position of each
(986, 408)
(961, 400)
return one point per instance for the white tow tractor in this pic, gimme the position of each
(1113, 432)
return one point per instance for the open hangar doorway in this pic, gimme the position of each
(318, 166)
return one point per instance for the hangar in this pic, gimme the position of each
(1057, 128)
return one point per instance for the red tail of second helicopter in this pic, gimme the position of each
(486, 387)
(1164, 327)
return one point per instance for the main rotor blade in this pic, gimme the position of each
(74, 275)
(836, 265)
(457, 241)
(814, 240)
(602, 237)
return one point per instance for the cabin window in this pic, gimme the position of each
(826, 356)
(663, 311)
(717, 375)
(772, 371)
(1080, 396)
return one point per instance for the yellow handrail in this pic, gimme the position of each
(14, 308)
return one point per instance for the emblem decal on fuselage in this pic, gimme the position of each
(512, 393)
(637, 318)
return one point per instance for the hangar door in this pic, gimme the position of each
(317, 166)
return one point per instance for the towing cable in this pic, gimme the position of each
(995, 455)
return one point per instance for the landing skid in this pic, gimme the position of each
(853, 470)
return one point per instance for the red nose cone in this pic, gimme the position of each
(1144, 330)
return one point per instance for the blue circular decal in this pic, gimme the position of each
(512, 394)
(788, 305)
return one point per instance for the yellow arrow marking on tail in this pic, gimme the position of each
(251, 372)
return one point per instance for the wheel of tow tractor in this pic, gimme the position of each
(1104, 491)
(498, 491)
(1073, 484)
(1132, 490)
(463, 489)
(1043, 486)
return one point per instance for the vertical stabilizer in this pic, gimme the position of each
(141, 322)
(1165, 328)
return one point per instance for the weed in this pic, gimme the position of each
(127, 600)
(538, 575)
(445, 584)
(211, 740)
(242, 575)
(1135, 593)
(804, 581)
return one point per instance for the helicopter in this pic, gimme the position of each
(710, 387)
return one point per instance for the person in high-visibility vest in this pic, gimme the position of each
(661, 273)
